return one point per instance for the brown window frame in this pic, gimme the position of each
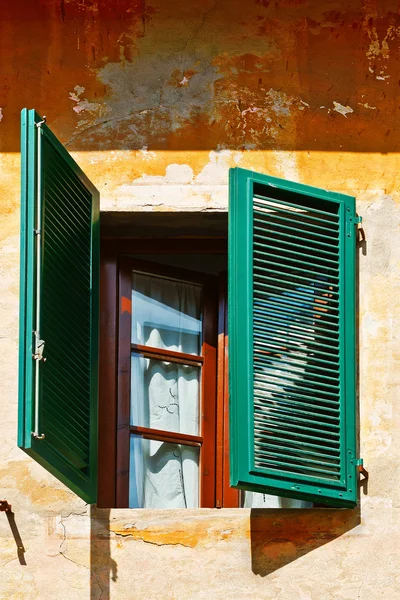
(114, 418)
(207, 361)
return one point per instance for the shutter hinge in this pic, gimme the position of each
(356, 220)
(360, 468)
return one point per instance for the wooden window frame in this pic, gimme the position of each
(114, 425)
(207, 361)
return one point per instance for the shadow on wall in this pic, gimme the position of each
(102, 567)
(280, 537)
(277, 538)
(6, 508)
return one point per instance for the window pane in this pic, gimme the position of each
(166, 313)
(164, 395)
(163, 475)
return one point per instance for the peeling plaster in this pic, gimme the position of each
(343, 110)
(366, 105)
(146, 154)
(83, 104)
(144, 94)
(180, 187)
(286, 164)
(379, 48)
(381, 40)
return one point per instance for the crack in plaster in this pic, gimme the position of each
(92, 574)
(107, 121)
(153, 85)
(75, 514)
(197, 29)
(64, 555)
(141, 539)
(9, 561)
(64, 540)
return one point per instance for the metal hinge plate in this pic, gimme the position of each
(351, 221)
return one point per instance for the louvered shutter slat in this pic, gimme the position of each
(292, 353)
(61, 278)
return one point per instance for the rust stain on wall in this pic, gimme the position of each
(190, 531)
(33, 484)
(270, 532)
(124, 75)
(48, 47)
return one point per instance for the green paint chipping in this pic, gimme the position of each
(292, 339)
(69, 256)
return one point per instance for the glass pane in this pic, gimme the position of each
(164, 395)
(163, 475)
(166, 313)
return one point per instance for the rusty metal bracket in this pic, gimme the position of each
(361, 469)
(5, 507)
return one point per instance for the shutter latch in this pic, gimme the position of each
(39, 348)
(41, 122)
(361, 469)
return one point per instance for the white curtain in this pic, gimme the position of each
(256, 500)
(163, 475)
(166, 313)
(164, 395)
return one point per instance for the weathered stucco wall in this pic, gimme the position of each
(156, 100)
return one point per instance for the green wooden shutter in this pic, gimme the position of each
(292, 339)
(58, 368)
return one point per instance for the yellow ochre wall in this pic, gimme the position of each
(156, 100)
